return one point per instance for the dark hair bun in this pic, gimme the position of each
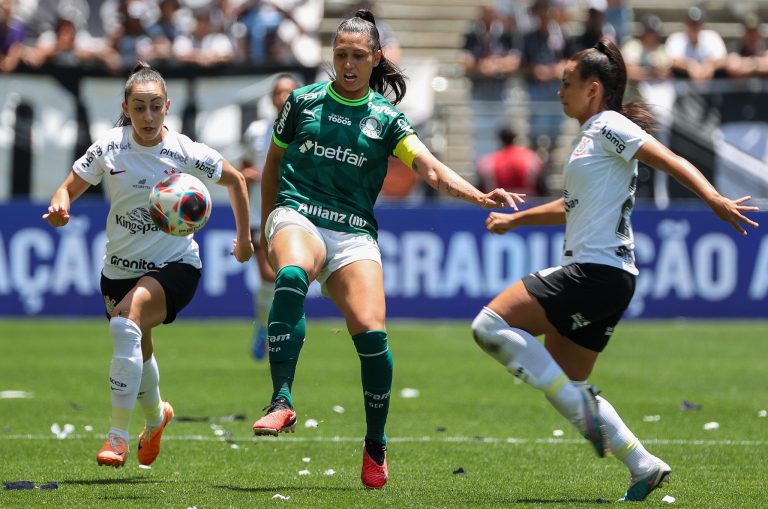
(366, 15)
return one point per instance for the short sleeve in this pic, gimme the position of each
(401, 128)
(621, 137)
(285, 123)
(89, 166)
(206, 163)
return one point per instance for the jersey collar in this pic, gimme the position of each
(357, 102)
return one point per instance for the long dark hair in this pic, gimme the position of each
(604, 63)
(142, 73)
(386, 77)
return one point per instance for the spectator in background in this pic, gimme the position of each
(543, 60)
(12, 35)
(489, 57)
(513, 167)
(256, 141)
(165, 30)
(298, 31)
(619, 16)
(129, 38)
(66, 45)
(646, 56)
(205, 45)
(749, 57)
(595, 28)
(261, 21)
(390, 44)
(696, 53)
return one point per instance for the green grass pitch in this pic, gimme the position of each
(469, 414)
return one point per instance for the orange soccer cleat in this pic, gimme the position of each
(149, 440)
(280, 417)
(114, 452)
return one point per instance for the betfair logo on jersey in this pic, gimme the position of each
(309, 209)
(339, 119)
(337, 154)
(617, 141)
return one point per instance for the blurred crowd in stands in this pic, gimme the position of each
(512, 54)
(114, 34)
(531, 42)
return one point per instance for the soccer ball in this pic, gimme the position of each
(180, 204)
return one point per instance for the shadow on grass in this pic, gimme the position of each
(122, 480)
(273, 489)
(570, 501)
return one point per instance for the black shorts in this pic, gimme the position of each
(179, 280)
(584, 301)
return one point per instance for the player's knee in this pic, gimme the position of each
(292, 277)
(488, 329)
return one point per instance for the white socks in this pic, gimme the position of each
(622, 442)
(149, 394)
(525, 357)
(264, 303)
(124, 372)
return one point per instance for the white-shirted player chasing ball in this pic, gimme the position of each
(578, 304)
(148, 276)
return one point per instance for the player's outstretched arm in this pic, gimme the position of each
(445, 180)
(732, 211)
(548, 214)
(69, 190)
(238, 199)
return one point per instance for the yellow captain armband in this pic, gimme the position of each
(409, 148)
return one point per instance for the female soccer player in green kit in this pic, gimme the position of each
(323, 173)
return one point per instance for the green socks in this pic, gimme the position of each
(376, 372)
(286, 330)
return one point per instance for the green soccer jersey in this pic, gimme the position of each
(336, 155)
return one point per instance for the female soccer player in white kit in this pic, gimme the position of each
(148, 276)
(577, 305)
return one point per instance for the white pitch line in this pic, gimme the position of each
(409, 440)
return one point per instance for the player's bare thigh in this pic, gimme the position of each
(521, 310)
(357, 290)
(295, 245)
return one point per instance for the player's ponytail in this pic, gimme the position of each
(142, 73)
(386, 77)
(604, 63)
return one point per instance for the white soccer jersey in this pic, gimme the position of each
(134, 244)
(600, 183)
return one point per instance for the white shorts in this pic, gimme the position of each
(341, 248)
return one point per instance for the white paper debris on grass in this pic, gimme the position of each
(16, 395)
(338, 409)
(311, 423)
(304, 472)
(234, 446)
(330, 471)
(651, 418)
(762, 413)
(278, 496)
(62, 433)
(711, 425)
(306, 460)
(408, 392)
(558, 433)
(668, 499)
(88, 427)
